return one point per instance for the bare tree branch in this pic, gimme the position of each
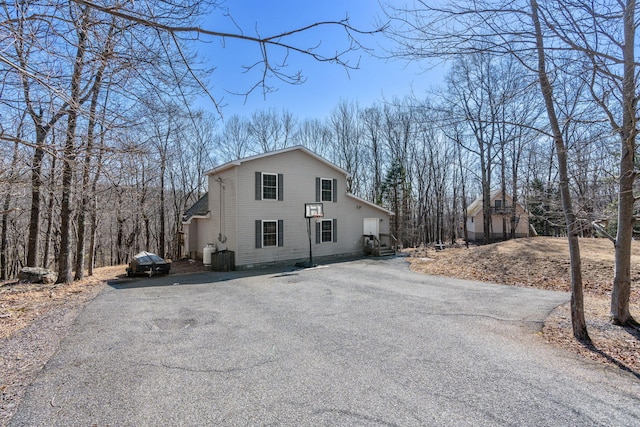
(600, 229)
(279, 40)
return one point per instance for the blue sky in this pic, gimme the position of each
(326, 84)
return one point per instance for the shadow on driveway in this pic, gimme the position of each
(200, 277)
(197, 278)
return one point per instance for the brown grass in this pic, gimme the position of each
(22, 303)
(543, 262)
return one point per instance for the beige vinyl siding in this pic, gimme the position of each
(475, 226)
(192, 237)
(299, 181)
(298, 188)
(222, 223)
(354, 219)
(202, 235)
(236, 214)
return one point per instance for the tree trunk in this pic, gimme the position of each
(465, 230)
(161, 209)
(486, 211)
(64, 260)
(86, 198)
(120, 241)
(94, 210)
(4, 240)
(577, 299)
(93, 223)
(81, 226)
(47, 235)
(485, 175)
(36, 185)
(621, 292)
(515, 159)
(503, 188)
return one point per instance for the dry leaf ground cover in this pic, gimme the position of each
(543, 262)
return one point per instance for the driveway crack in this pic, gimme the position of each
(229, 370)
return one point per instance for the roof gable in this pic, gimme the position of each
(368, 203)
(239, 162)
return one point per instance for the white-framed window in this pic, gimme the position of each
(326, 189)
(326, 231)
(269, 186)
(269, 233)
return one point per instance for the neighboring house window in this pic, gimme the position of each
(269, 186)
(269, 233)
(498, 203)
(326, 190)
(327, 231)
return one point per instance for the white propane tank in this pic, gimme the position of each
(206, 254)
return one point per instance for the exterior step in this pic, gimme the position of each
(387, 252)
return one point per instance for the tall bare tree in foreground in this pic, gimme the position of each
(10, 175)
(88, 161)
(69, 152)
(577, 298)
(456, 29)
(605, 34)
(37, 67)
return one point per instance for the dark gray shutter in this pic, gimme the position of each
(318, 190)
(318, 232)
(280, 233)
(258, 185)
(335, 230)
(280, 187)
(335, 190)
(258, 234)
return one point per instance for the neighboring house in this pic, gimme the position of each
(499, 212)
(255, 207)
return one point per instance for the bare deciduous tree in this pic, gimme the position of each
(50, 84)
(605, 33)
(492, 29)
(347, 135)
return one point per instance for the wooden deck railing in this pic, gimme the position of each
(385, 244)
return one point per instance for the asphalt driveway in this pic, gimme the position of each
(362, 343)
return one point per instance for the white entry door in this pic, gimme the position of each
(372, 227)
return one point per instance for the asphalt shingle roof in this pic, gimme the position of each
(201, 208)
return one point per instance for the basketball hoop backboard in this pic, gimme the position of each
(313, 210)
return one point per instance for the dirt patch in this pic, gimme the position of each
(35, 318)
(543, 262)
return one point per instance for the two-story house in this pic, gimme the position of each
(255, 207)
(505, 218)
